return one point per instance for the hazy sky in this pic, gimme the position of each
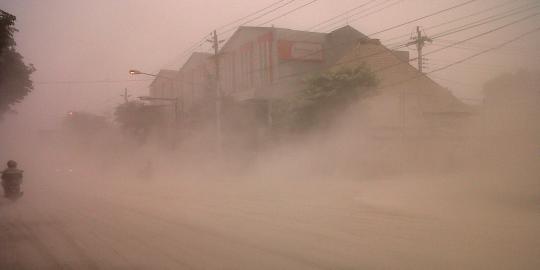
(76, 45)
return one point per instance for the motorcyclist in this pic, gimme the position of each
(12, 180)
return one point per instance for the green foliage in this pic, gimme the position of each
(137, 118)
(326, 96)
(15, 82)
(7, 23)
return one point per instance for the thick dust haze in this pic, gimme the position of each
(384, 187)
(338, 200)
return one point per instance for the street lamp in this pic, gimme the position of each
(138, 72)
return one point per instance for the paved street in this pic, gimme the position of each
(257, 225)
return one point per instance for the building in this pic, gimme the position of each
(195, 80)
(165, 84)
(258, 63)
(406, 98)
(190, 85)
(165, 87)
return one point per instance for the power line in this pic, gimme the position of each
(420, 41)
(328, 20)
(289, 12)
(456, 82)
(474, 67)
(258, 17)
(111, 81)
(279, 16)
(376, 11)
(477, 36)
(390, 28)
(487, 50)
(275, 18)
(203, 39)
(485, 33)
(249, 15)
(189, 50)
(484, 45)
(467, 39)
(387, 50)
(506, 51)
(401, 46)
(479, 65)
(423, 17)
(464, 59)
(378, 32)
(358, 13)
(319, 24)
(485, 21)
(341, 14)
(457, 19)
(90, 81)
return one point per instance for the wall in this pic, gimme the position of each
(406, 99)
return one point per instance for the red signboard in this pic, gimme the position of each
(307, 51)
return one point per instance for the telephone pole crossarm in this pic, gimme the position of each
(420, 41)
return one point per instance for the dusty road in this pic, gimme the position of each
(264, 225)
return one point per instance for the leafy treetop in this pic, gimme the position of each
(15, 82)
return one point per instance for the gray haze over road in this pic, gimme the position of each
(462, 196)
(417, 223)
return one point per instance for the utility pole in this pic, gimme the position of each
(420, 41)
(125, 95)
(215, 45)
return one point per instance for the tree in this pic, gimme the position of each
(326, 96)
(83, 123)
(15, 82)
(509, 88)
(511, 103)
(137, 118)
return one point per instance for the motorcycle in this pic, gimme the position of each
(11, 182)
(13, 191)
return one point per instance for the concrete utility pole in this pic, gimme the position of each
(215, 45)
(125, 95)
(420, 41)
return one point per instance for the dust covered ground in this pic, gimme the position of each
(450, 221)
(346, 200)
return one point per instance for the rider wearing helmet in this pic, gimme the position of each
(12, 179)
